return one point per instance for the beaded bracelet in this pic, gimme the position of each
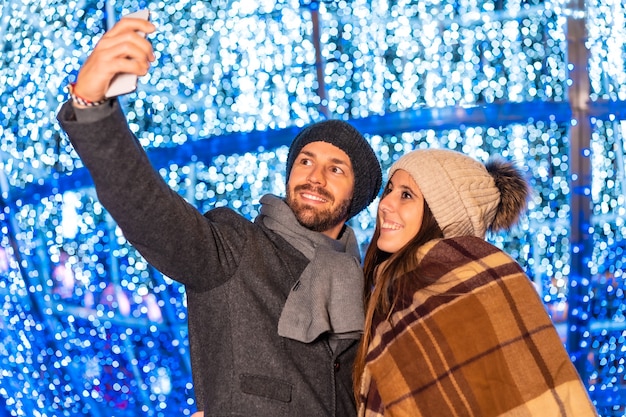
(83, 101)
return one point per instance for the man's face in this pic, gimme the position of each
(320, 187)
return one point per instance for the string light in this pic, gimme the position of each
(89, 327)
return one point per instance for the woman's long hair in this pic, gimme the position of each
(384, 289)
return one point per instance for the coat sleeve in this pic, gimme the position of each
(168, 231)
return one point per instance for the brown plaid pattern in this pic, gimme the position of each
(478, 342)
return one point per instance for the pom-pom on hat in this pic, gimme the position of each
(465, 196)
(367, 172)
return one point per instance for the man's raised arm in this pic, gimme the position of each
(120, 50)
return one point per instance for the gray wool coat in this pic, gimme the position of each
(237, 275)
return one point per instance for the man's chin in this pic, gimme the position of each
(318, 219)
(306, 211)
(310, 218)
(307, 219)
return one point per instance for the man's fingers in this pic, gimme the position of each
(120, 50)
(125, 46)
(130, 41)
(98, 71)
(129, 24)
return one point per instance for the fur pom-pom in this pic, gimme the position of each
(514, 193)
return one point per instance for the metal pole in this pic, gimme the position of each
(580, 164)
(319, 63)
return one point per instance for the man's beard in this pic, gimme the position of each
(312, 219)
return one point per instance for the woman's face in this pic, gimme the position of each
(400, 212)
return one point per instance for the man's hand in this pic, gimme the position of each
(120, 50)
(198, 414)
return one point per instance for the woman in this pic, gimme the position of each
(454, 327)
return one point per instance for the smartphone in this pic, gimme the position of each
(126, 83)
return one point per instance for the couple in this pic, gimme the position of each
(282, 321)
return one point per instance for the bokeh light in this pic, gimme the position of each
(89, 328)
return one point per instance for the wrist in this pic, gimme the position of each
(82, 102)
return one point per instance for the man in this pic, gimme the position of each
(275, 305)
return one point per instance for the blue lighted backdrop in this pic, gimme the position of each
(88, 328)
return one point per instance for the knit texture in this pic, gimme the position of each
(460, 192)
(367, 172)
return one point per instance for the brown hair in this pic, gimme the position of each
(384, 289)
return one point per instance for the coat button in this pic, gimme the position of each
(336, 366)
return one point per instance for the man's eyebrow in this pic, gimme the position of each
(333, 160)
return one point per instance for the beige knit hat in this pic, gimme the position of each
(465, 196)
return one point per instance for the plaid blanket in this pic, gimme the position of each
(477, 342)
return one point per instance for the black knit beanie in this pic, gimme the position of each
(367, 172)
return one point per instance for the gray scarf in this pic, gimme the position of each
(328, 295)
